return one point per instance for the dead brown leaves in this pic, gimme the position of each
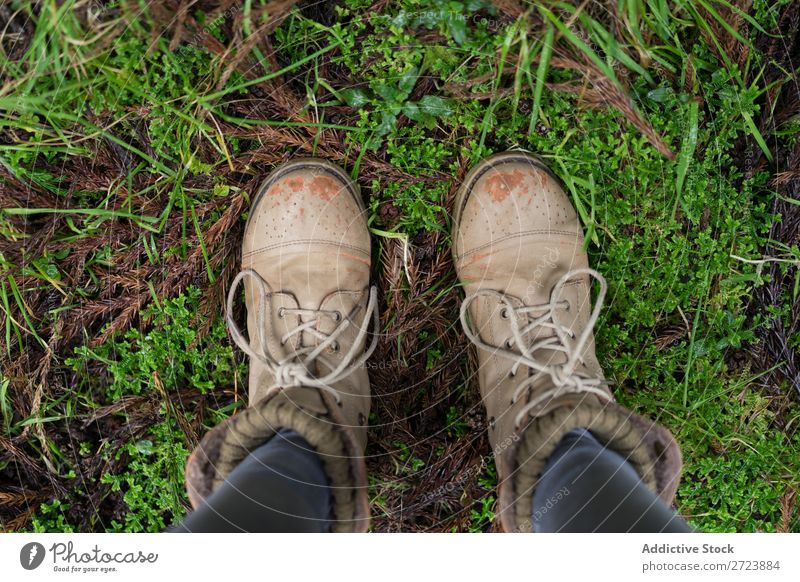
(781, 103)
(412, 394)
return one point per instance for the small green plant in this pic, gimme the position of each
(152, 484)
(410, 464)
(51, 518)
(413, 94)
(457, 426)
(390, 98)
(482, 514)
(166, 363)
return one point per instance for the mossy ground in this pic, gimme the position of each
(126, 164)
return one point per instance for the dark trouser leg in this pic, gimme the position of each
(587, 487)
(279, 487)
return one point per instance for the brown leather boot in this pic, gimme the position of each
(305, 266)
(518, 250)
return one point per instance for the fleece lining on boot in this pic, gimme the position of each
(225, 446)
(650, 449)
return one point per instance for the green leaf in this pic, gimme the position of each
(435, 106)
(355, 98)
(144, 446)
(541, 76)
(400, 20)
(407, 81)
(687, 147)
(388, 92)
(475, 5)
(660, 95)
(457, 26)
(387, 124)
(412, 111)
(757, 135)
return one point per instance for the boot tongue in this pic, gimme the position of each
(314, 283)
(348, 309)
(547, 356)
(278, 324)
(529, 280)
(334, 311)
(500, 329)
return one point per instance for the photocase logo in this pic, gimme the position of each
(31, 555)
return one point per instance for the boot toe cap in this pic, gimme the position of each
(508, 197)
(308, 202)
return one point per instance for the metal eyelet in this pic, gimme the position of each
(281, 311)
(504, 313)
(491, 423)
(509, 344)
(335, 347)
(337, 316)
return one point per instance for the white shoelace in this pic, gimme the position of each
(294, 370)
(565, 378)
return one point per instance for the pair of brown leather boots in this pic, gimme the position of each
(518, 249)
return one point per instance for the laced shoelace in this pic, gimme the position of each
(566, 379)
(294, 370)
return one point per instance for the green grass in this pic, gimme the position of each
(665, 233)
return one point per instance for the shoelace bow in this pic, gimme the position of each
(293, 370)
(565, 378)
